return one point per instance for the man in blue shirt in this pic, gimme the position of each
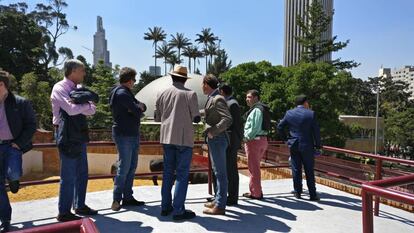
(304, 141)
(126, 112)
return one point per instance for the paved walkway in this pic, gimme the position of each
(279, 211)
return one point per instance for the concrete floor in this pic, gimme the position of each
(279, 211)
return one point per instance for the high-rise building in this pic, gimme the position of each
(155, 70)
(292, 49)
(404, 74)
(100, 49)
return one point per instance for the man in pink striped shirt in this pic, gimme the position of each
(73, 168)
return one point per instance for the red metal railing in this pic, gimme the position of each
(85, 225)
(379, 188)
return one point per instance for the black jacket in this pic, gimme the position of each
(125, 111)
(73, 130)
(22, 121)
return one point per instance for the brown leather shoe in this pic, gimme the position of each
(210, 205)
(215, 211)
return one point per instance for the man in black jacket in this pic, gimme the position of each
(17, 126)
(235, 132)
(127, 112)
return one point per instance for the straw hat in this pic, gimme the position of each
(180, 71)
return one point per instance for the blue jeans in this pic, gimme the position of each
(217, 147)
(11, 169)
(73, 181)
(127, 164)
(176, 159)
(297, 158)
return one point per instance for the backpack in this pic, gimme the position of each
(266, 123)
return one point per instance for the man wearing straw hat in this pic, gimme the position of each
(177, 108)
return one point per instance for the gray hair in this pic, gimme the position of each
(71, 65)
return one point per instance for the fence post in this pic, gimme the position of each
(367, 218)
(378, 176)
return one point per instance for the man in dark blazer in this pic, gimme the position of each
(17, 126)
(304, 141)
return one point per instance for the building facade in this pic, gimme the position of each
(100, 49)
(404, 74)
(292, 49)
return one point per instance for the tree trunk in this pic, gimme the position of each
(155, 56)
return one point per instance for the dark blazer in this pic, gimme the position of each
(22, 121)
(125, 111)
(236, 128)
(217, 114)
(303, 127)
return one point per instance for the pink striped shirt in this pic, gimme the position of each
(61, 100)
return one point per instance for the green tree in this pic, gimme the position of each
(312, 26)
(207, 38)
(39, 94)
(220, 64)
(52, 19)
(104, 82)
(22, 41)
(155, 34)
(164, 51)
(145, 79)
(179, 41)
(173, 60)
(210, 51)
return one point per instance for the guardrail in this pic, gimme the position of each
(84, 225)
(379, 188)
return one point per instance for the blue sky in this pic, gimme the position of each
(381, 31)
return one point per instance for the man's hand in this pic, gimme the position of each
(209, 135)
(14, 145)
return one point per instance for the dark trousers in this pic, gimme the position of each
(307, 159)
(232, 170)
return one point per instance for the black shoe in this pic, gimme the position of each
(297, 195)
(188, 214)
(67, 217)
(5, 226)
(132, 202)
(14, 186)
(210, 199)
(86, 210)
(231, 202)
(315, 198)
(166, 212)
(116, 206)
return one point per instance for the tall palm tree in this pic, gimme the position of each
(187, 51)
(173, 59)
(155, 34)
(206, 37)
(179, 41)
(164, 51)
(211, 51)
(195, 55)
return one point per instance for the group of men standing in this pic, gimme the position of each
(177, 110)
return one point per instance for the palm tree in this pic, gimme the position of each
(211, 51)
(173, 59)
(220, 64)
(195, 55)
(156, 34)
(206, 37)
(187, 51)
(164, 51)
(179, 41)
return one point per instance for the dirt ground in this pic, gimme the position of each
(37, 192)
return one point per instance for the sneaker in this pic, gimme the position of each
(166, 212)
(215, 211)
(132, 202)
(116, 206)
(14, 186)
(5, 226)
(86, 210)
(188, 214)
(67, 217)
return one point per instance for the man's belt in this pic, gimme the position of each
(5, 142)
